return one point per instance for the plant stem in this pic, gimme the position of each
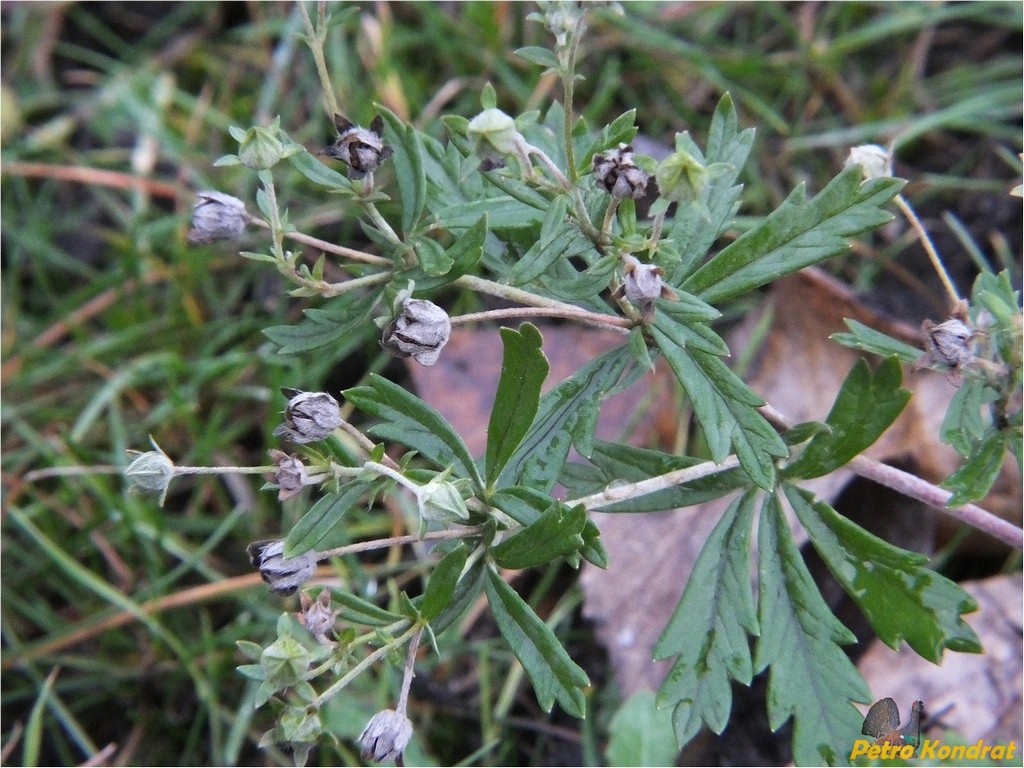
(929, 248)
(358, 669)
(502, 291)
(616, 493)
(407, 676)
(315, 39)
(579, 315)
(323, 245)
(393, 541)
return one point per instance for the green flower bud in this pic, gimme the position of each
(681, 178)
(440, 501)
(150, 471)
(261, 148)
(494, 136)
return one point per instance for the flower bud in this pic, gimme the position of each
(386, 736)
(216, 216)
(260, 148)
(150, 471)
(616, 172)
(283, 574)
(874, 161)
(360, 149)
(440, 500)
(681, 177)
(642, 284)
(316, 615)
(494, 136)
(290, 475)
(309, 416)
(949, 343)
(421, 329)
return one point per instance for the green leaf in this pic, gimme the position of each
(360, 611)
(811, 680)
(502, 213)
(975, 478)
(641, 734)
(463, 255)
(407, 160)
(443, 580)
(537, 55)
(523, 370)
(525, 506)
(432, 257)
(797, 234)
(556, 533)
(554, 675)
(708, 630)
(563, 243)
(467, 590)
(322, 519)
(345, 319)
(725, 408)
(965, 423)
(566, 282)
(408, 420)
(321, 175)
(901, 598)
(869, 340)
(864, 408)
(567, 415)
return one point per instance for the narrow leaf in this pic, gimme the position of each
(869, 340)
(321, 175)
(865, 406)
(901, 598)
(811, 679)
(360, 611)
(708, 630)
(525, 506)
(556, 533)
(443, 580)
(322, 519)
(523, 370)
(554, 675)
(408, 420)
(407, 160)
(641, 734)
(537, 55)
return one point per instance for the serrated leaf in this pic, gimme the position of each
(901, 598)
(566, 282)
(537, 55)
(408, 420)
(641, 734)
(797, 234)
(725, 408)
(554, 675)
(869, 340)
(462, 255)
(964, 425)
(321, 519)
(867, 403)
(567, 415)
(443, 580)
(321, 175)
(556, 533)
(686, 332)
(523, 370)
(407, 160)
(975, 478)
(708, 630)
(343, 318)
(525, 505)
(811, 679)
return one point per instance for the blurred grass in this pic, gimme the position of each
(113, 330)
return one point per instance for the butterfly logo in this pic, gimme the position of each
(883, 724)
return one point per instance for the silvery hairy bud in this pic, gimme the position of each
(616, 172)
(386, 736)
(309, 416)
(360, 149)
(949, 343)
(283, 574)
(642, 284)
(316, 615)
(216, 216)
(150, 471)
(420, 329)
(289, 475)
(874, 161)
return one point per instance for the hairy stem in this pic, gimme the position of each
(315, 39)
(579, 315)
(929, 248)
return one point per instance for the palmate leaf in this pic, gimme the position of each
(555, 676)
(901, 598)
(811, 679)
(523, 370)
(797, 234)
(708, 630)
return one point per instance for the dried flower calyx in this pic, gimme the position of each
(642, 284)
(616, 172)
(360, 149)
(150, 471)
(309, 416)
(216, 216)
(316, 615)
(283, 574)
(289, 474)
(420, 329)
(386, 736)
(949, 343)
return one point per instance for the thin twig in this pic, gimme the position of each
(579, 315)
(323, 245)
(618, 493)
(367, 546)
(926, 241)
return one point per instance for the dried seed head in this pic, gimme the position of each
(309, 416)
(874, 161)
(642, 284)
(949, 343)
(420, 329)
(283, 574)
(150, 471)
(386, 736)
(316, 615)
(289, 476)
(216, 216)
(360, 149)
(616, 172)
